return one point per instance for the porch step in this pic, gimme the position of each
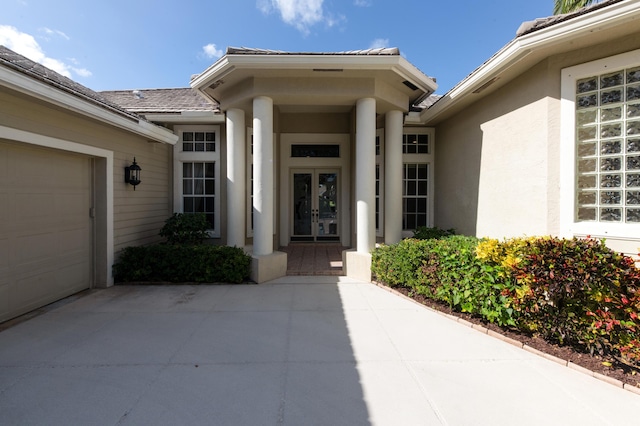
(314, 258)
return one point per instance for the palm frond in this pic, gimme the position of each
(567, 6)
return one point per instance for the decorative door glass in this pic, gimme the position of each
(315, 206)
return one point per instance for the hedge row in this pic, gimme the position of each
(574, 292)
(182, 263)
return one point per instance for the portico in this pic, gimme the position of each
(303, 132)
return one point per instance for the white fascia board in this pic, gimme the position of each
(522, 46)
(394, 63)
(215, 72)
(199, 117)
(30, 86)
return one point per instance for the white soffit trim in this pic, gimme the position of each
(40, 90)
(522, 46)
(228, 63)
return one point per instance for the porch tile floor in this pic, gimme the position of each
(314, 259)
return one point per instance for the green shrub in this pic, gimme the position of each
(426, 233)
(185, 228)
(399, 264)
(581, 293)
(446, 270)
(182, 263)
(574, 292)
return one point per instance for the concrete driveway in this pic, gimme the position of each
(296, 351)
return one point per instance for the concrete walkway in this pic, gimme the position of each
(297, 351)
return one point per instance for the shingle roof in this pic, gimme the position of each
(384, 51)
(160, 100)
(540, 23)
(17, 62)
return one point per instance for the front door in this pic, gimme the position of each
(315, 205)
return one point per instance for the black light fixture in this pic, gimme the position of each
(132, 174)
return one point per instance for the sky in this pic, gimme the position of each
(146, 44)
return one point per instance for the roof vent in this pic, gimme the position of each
(138, 94)
(410, 85)
(485, 85)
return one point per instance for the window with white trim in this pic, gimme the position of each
(197, 173)
(600, 149)
(607, 141)
(415, 193)
(417, 185)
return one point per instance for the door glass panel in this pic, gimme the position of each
(327, 204)
(315, 206)
(302, 203)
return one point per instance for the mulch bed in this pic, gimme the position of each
(618, 371)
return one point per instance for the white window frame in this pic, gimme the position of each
(180, 157)
(569, 76)
(421, 159)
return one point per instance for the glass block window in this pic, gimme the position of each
(198, 189)
(198, 141)
(415, 144)
(414, 195)
(608, 147)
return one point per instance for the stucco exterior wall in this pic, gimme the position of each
(492, 176)
(498, 171)
(139, 214)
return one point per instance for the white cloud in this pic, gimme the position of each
(379, 43)
(302, 14)
(26, 45)
(211, 51)
(82, 72)
(59, 33)
(363, 3)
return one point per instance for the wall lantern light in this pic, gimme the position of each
(132, 174)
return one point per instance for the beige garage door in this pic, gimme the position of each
(45, 226)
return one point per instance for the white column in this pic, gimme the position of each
(262, 176)
(393, 177)
(236, 178)
(365, 175)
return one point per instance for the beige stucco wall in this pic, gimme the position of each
(498, 161)
(139, 214)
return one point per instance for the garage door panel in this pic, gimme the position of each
(4, 296)
(30, 250)
(45, 237)
(71, 208)
(33, 206)
(74, 243)
(73, 278)
(4, 210)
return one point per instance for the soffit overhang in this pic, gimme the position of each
(522, 53)
(306, 80)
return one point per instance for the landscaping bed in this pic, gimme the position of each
(574, 299)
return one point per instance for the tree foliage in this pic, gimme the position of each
(568, 6)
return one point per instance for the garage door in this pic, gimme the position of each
(45, 228)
